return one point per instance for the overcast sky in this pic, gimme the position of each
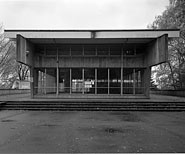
(80, 14)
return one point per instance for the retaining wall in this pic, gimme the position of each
(13, 91)
(180, 93)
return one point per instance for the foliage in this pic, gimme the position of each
(7, 62)
(172, 73)
(10, 70)
(22, 72)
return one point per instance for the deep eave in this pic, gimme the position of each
(140, 33)
(83, 30)
(92, 36)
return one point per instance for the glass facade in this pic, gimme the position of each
(89, 80)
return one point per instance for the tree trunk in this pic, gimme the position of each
(173, 80)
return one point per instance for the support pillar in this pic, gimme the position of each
(70, 77)
(57, 73)
(57, 81)
(108, 81)
(31, 82)
(45, 81)
(134, 81)
(42, 81)
(122, 71)
(83, 84)
(121, 81)
(95, 80)
(147, 76)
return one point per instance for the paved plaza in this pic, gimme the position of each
(51, 131)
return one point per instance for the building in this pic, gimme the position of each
(91, 63)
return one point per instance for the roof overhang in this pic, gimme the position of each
(90, 36)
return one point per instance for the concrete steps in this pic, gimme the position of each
(94, 106)
(2, 104)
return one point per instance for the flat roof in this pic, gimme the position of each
(94, 30)
(89, 34)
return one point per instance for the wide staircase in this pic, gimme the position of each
(93, 105)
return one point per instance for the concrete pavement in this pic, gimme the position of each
(48, 131)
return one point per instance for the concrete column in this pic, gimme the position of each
(70, 78)
(95, 80)
(57, 80)
(108, 81)
(83, 84)
(57, 73)
(147, 76)
(122, 71)
(134, 83)
(45, 85)
(142, 81)
(42, 81)
(121, 81)
(31, 82)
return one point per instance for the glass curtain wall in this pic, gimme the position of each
(40, 85)
(133, 81)
(139, 81)
(77, 81)
(64, 80)
(128, 81)
(102, 81)
(84, 81)
(89, 80)
(115, 81)
(46, 81)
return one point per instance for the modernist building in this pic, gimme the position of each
(91, 63)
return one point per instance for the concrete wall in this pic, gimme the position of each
(157, 51)
(104, 62)
(13, 91)
(21, 85)
(25, 51)
(180, 93)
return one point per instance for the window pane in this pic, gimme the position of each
(76, 50)
(89, 80)
(102, 50)
(64, 80)
(51, 51)
(64, 50)
(89, 50)
(102, 81)
(115, 80)
(139, 73)
(115, 50)
(77, 82)
(128, 81)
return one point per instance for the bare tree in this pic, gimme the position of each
(10, 69)
(22, 71)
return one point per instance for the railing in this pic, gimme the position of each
(13, 91)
